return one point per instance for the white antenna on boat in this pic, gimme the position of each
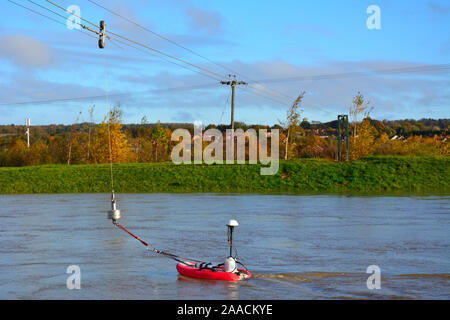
(230, 262)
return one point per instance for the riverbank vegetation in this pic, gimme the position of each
(87, 143)
(384, 156)
(369, 174)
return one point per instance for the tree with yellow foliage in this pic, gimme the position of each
(159, 138)
(363, 144)
(17, 153)
(109, 135)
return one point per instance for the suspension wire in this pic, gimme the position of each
(109, 124)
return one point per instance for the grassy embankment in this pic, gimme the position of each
(371, 174)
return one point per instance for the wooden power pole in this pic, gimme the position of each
(233, 84)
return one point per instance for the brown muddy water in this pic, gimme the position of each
(296, 246)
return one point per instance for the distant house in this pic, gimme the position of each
(396, 137)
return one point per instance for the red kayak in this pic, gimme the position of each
(191, 270)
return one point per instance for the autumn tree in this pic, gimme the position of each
(39, 154)
(159, 138)
(17, 153)
(364, 144)
(143, 144)
(111, 138)
(91, 118)
(73, 137)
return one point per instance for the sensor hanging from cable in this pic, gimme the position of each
(102, 35)
(114, 213)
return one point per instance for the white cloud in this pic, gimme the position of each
(208, 21)
(25, 51)
(439, 9)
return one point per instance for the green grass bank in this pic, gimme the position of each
(371, 174)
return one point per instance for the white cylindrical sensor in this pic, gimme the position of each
(230, 264)
(114, 213)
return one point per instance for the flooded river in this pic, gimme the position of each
(296, 246)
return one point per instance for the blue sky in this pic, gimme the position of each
(42, 60)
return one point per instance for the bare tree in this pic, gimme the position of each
(292, 121)
(359, 106)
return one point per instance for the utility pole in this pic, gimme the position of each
(233, 84)
(28, 123)
(344, 120)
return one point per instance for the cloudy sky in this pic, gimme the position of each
(281, 48)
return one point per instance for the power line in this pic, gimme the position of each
(45, 16)
(167, 55)
(204, 86)
(360, 74)
(142, 45)
(266, 92)
(162, 58)
(54, 12)
(114, 40)
(284, 103)
(77, 16)
(52, 19)
(270, 92)
(162, 53)
(256, 90)
(152, 32)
